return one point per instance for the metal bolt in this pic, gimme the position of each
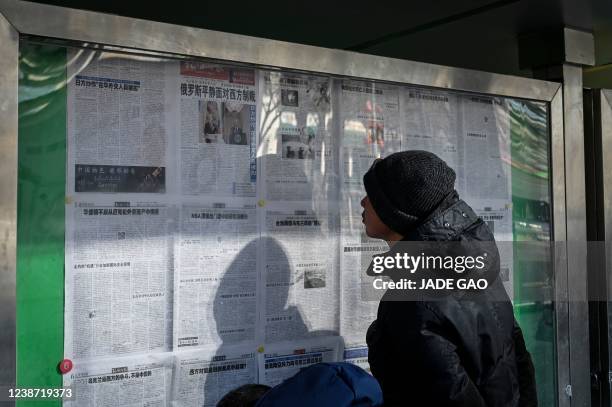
(446, 224)
(568, 390)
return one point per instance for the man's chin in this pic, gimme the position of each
(371, 235)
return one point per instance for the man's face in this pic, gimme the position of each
(375, 227)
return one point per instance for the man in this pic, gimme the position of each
(458, 348)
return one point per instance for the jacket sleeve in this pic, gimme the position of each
(443, 379)
(526, 370)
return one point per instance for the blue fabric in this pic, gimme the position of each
(326, 384)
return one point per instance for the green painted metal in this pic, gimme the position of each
(40, 217)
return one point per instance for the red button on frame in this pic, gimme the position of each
(65, 366)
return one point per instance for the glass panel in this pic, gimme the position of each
(532, 221)
(212, 217)
(41, 194)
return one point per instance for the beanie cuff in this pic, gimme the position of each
(396, 220)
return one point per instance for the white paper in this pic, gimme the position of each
(358, 356)
(497, 214)
(432, 122)
(216, 274)
(283, 360)
(369, 126)
(357, 312)
(486, 148)
(118, 278)
(297, 150)
(218, 130)
(300, 279)
(202, 378)
(213, 262)
(120, 113)
(143, 381)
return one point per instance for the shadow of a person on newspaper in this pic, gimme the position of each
(235, 306)
(290, 171)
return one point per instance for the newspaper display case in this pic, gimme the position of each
(187, 201)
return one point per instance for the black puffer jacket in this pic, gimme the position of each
(452, 351)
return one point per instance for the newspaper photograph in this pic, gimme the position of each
(119, 273)
(218, 129)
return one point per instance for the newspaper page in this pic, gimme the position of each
(143, 381)
(119, 116)
(486, 151)
(216, 274)
(469, 132)
(283, 360)
(118, 278)
(497, 214)
(297, 149)
(218, 129)
(432, 122)
(370, 128)
(300, 277)
(356, 251)
(358, 356)
(487, 173)
(356, 311)
(202, 378)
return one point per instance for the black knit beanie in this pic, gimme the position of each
(407, 186)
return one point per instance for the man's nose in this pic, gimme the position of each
(363, 202)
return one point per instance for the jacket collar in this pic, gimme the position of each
(446, 223)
